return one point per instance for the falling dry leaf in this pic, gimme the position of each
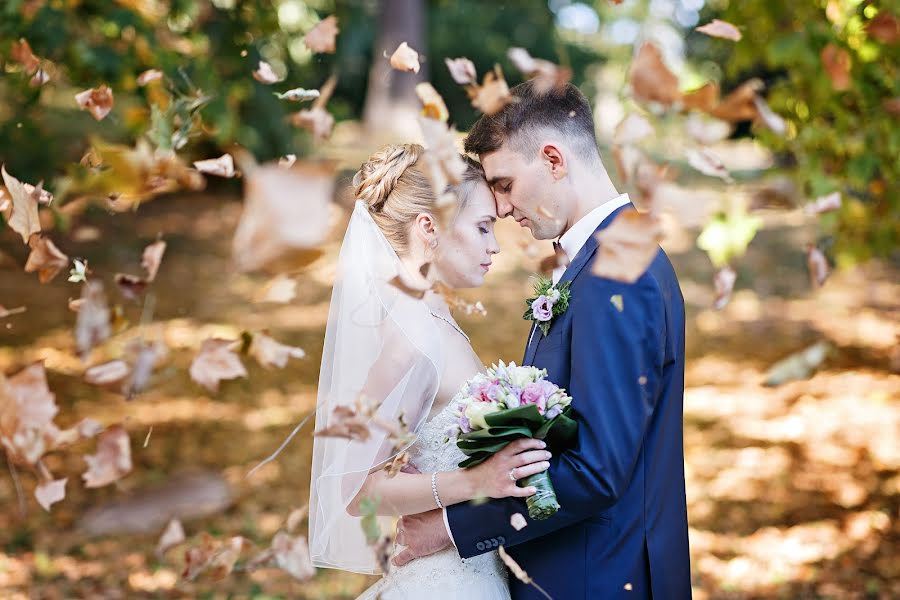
(836, 62)
(287, 215)
(148, 76)
(627, 159)
(112, 460)
(50, 492)
(92, 325)
(298, 95)
(445, 166)
(559, 259)
(24, 218)
(27, 409)
(346, 422)
(397, 464)
(518, 521)
(292, 556)
(628, 246)
(706, 130)
(409, 286)
(724, 284)
(218, 558)
(513, 566)
(617, 301)
(818, 266)
(281, 289)
(824, 204)
(97, 101)
(405, 59)
(215, 362)
(144, 357)
(798, 366)
(462, 70)
(721, 29)
(45, 258)
(493, 94)
(707, 162)
(269, 353)
(108, 374)
(221, 167)
(265, 74)
(650, 78)
(39, 78)
(287, 161)
(632, 129)
(6, 312)
(21, 53)
(296, 518)
(172, 536)
(321, 38)
(885, 27)
(433, 106)
(317, 120)
(546, 74)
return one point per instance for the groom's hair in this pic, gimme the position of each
(520, 123)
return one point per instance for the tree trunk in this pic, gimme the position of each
(391, 102)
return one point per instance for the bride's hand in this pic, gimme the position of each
(496, 477)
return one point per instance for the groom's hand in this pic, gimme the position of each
(422, 534)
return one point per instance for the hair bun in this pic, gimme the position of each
(376, 178)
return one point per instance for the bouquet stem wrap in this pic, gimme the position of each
(543, 504)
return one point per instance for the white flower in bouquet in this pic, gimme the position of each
(477, 411)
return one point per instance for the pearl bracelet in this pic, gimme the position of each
(437, 499)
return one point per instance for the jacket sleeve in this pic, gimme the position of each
(617, 342)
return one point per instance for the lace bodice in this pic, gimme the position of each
(444, 575)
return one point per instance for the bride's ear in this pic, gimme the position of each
(425, 227)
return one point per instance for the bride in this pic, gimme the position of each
(399, 361)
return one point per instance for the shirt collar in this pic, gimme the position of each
(572, 240)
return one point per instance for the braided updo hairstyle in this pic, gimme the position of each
(396, 188)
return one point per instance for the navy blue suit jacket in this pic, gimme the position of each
(622, 529)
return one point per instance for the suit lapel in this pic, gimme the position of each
(581, 259)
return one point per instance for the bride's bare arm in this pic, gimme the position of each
(411, 493)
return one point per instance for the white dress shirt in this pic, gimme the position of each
(571, 242)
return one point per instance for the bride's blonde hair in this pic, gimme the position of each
(396, 188)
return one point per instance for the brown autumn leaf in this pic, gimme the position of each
(171, 537)
(445, 165)
(218, 558)
(21, 53)
(817, 265)
(92, 325)
(546, 74)
(112, 460)
(317, 120)
(397, 463)
(291, 554)
(144, 357)
(321, 38)
(433, 106)
(648, 176)
(410, 286)
(558, 259)
(215, 362)
(347, 422)
(39, 78)
(650, 78)
(720, 29)
(768, 117)
(24, 218)
(632, 129)
(151, 258)
(627, 159)
(518, 521)
(287, 215)
(269, 353)
(706, 130)
(704, 98)
(45, 258)
(220, 167)
(131, 286)
(724, 284)
(836, 62)
(514, 567)
(97, 101)
(27, 409)
(823, 204)
(628, 246)
(493, 94)
(48, 493)
(707, 162)
(405, 59)
(148, 76)
(265, 74)
(462, 70)
(740, 104)
(296, 518)
(287, 161)
(885, 27)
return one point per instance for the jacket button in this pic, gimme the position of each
(480, 545)
(501, 540)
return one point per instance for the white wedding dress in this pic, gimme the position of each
(443, 575)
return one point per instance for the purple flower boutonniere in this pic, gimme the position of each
(549, 301)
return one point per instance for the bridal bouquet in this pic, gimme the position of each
(508, 402)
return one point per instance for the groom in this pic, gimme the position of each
(618, 350)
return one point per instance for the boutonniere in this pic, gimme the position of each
(549, 301)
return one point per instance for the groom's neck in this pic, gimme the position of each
(590, 190)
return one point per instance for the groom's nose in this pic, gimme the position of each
(504, 208)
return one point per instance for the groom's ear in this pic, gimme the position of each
(555, 160)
